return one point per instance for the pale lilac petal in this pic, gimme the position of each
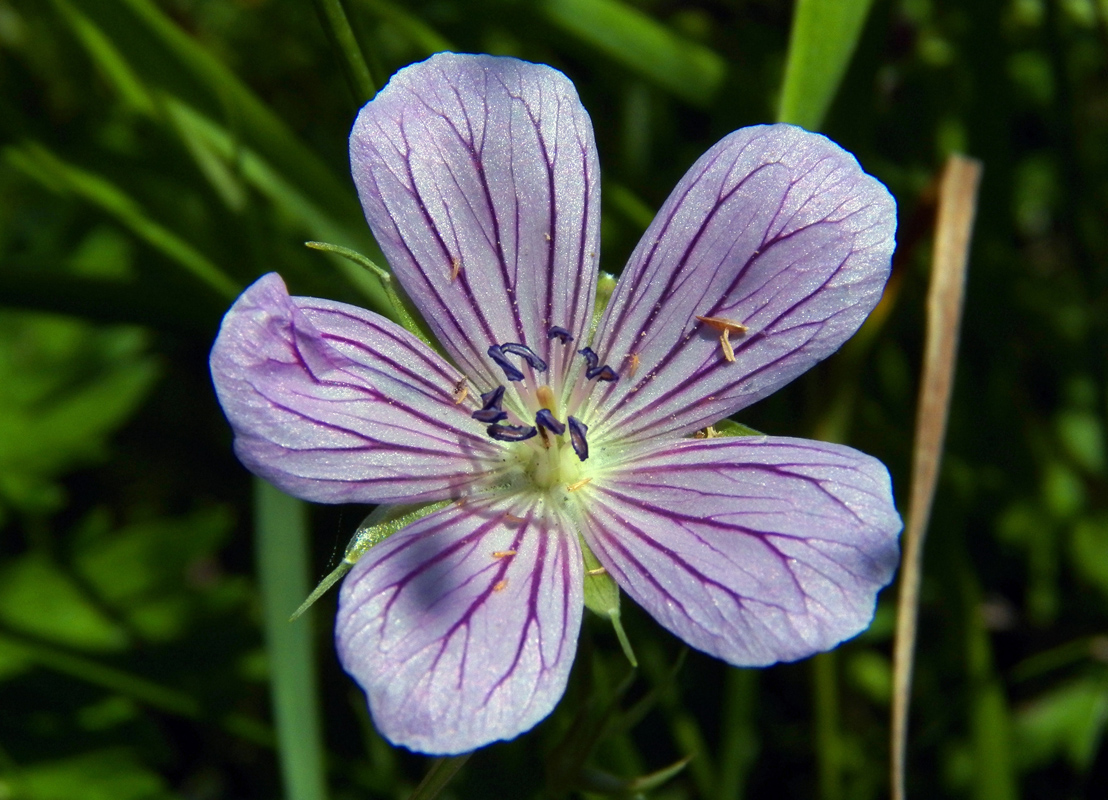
(775, 228)
(752, 549)
(462, 627)
(336, 404)
(486, 167)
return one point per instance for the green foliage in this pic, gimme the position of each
(160, 155)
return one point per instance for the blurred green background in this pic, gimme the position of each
(157, 156)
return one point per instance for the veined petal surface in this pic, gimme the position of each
(462, 627)
(479, 178)
(775, 228)
(752, 549)
(336, 404)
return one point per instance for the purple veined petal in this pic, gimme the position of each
(336, 404)
(480, 180)
(775, 228)
(752, 549)
(462, 627)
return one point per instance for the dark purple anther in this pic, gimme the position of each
(490, 410)
(561, 334)
(577, 431)
(497, 355)
(604, 373)
(546, 418)
(512, 433)
(526, 353)
(595, 369)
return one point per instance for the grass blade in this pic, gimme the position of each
(281, 541)
(823, 38)
(642, 44)
(39, 163)
(334, 19)
(954, 226)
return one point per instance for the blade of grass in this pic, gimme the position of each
(425, 38)
(823, 38)
(126, 684)
(281, 541)
(642, 44)
(333, 16)
(39, 163)
(437, 778)
(825, 690)
(953, 229)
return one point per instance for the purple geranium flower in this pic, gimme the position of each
(479, 178)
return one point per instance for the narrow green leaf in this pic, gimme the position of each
(281, 540)
(593, 780)
(335, 21)
(824, 35)
(640, 43)
(37, 162)
(426, 39)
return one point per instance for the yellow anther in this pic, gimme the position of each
(573, 487)
(634, 365)
(725, 327)
(597, 571)
(707, 433)
(503, 553)
(513, 518)
(499, 586)
(455, 267)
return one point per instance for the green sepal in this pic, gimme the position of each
(400, 313)
(728, 427)
(602, 597)
(381, 523)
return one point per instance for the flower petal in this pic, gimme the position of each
(479, 178)
(336, 404)
(753, 549)
(462, 627)
(774, 228)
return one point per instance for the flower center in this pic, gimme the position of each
(533, 413)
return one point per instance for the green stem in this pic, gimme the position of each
(281, 540)
(338, 26)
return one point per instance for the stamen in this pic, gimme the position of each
(513, 433)
(526, 353)
(561, 334)
(545, 396)
(500, 585)
(490, 407)
(503, 553)
(631, 370)
(577, 431)
(595, 369)
(604, 373)
(455, 267)
(725, 327)
(597, 571)
(573, 487)
(546, 419)
(497, 355)
(461, 392)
